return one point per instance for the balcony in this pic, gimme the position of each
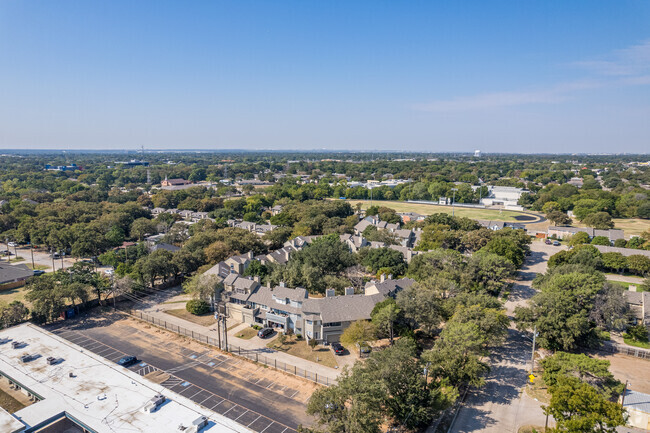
(277, 318)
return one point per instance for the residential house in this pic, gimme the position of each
(12, 276)
(276, 209)
(562, 232)
(322, 319)
(354, 242)
(163, 246)
(239, 263)
(639, 303)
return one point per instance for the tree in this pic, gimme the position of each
(313, 343)
(46, 297)
(421, 306)
(197, 307)
(277, 237)
(578, 407)
(14, 313)
(579, 239)
(559, 218)
(600, 240)
(359, 331)
(610, 309)
(142, 227)
(639, 264)
(487, 271)
(590, 370)
(599, 220)
(385, 317)
(614, 261)
(377, 258)
(207, 287)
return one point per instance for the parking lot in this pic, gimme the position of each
(260, 398)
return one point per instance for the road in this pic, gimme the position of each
(224, 384)
(501, 405)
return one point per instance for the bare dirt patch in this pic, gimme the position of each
(635, 370)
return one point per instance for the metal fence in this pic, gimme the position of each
(256, 355)
(626, 350)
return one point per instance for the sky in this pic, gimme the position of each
(538, 76)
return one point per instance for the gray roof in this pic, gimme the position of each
(11, 273)
(230, 279)
(637, 401)
(625, 251)
(342, 308)
(389, 287)
(404, 233)
(164, 246)
(612, 234)
(362, 225)
(221, 269)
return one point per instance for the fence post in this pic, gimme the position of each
(276, 363)
(316, 377)
(256, 358)
(294, 371)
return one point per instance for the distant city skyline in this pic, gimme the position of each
(502, 77)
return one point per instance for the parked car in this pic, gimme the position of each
(38, 272)
(338, 349)
(7, 253)
(12, 244)
(556, 243)
(364, 349)
(56, 255)
(548, 242)
(127, 361)
(110, 271)
(264, 332)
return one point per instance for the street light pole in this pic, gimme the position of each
(453, 201)
(32, 250)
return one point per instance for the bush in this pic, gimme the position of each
(638, 333)
(197, 307)
(298, 336)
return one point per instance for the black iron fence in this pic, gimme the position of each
(257, 355)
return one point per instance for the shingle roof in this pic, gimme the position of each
(11, 273)
(637, 401)
(390, 286)
(342, 308)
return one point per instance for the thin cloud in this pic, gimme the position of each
(554, 95)
(630, 61)
(625, 67)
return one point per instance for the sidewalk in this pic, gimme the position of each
(253, 345)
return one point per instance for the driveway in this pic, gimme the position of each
(501, 405)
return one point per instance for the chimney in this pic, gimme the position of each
(390, 276)
(268, 283)
(256, 278)
(330, 293)
(250, 254)
(282, 284)
(383, 278)
(632, 288)
(286, 253)
(349, 291)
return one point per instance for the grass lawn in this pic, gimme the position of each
(538, 389)
(37, 267)
(428, 209)
(10, 295)
(246, 334)
(631, 342)
(300, 348)
(622, 284)
(531, 429)
(182, 313)
(16, 259)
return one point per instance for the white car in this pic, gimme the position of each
(12, 244)
(109, 271)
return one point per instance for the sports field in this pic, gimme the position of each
(428, 209)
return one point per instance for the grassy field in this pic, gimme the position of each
(300, 348)
(10, 295)
(246, 334)
(632, 226)
(182, 313)
(428, 209)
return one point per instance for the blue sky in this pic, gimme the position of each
(500, 76)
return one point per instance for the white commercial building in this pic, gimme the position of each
(75, 390)
(507, 196)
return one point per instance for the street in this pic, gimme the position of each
(502, 405)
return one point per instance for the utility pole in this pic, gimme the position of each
(32, 250)
(62, 254)
(623, 396)
(216, 315)
(532, 358)
(225, 331)
(52, 254)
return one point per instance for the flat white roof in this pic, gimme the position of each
(102, 395)
(8, 423)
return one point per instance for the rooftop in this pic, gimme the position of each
(91, 390)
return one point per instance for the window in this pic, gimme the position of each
(309, 322)
(331, 324)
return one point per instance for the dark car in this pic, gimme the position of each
(338, 349)
(127, 361)
(556, 243)
(364, 349)
(264, 332)
(38, 272)
(548, 242)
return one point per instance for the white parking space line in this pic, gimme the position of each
(106, 350)
(293, 395)
(270, 385)
(218, 404)
(194, 395)
(267, 427)
(259, 416)
(242, 414)
(230, 409)
(205, 399)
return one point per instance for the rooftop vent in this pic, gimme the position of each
(16, 344)
(53, 361)
(196, 426)
(349, 291)
(153, 404)
(27, 357)
(329, 293)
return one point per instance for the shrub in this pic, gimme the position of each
(197, 307)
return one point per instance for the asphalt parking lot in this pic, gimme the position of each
(261, 399)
